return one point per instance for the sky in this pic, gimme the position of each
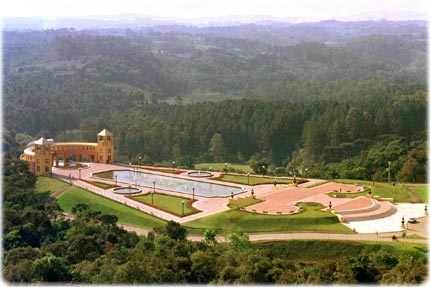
(189, 9)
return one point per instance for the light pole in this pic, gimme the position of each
(154, 185)
(140, 161)
(116, 180)
(173, 166)
(80, 173)
(225, 168)
(183, 204)
(247, 175)
(389, 166)
(193, 192)
(152, 198)
(306, 173)
(263, 169)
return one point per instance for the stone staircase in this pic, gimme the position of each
(378, 209)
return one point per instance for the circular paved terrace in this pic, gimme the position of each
(284, 200)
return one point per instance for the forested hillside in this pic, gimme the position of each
(341, 99)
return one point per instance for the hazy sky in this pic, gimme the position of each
(317, 9)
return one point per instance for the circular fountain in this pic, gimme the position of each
(126, 190)
(199, 173)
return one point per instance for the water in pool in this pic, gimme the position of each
(170, 183)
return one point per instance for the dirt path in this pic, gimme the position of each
(57, 194)
(417, 198)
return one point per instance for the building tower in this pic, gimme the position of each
(105, 147)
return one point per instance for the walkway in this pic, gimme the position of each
(57, 194)
(304, 236)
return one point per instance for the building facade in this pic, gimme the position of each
(43, 154)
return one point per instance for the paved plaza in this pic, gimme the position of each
(366, 214)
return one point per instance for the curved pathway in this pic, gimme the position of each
(306, 235)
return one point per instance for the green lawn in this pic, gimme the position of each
(219, 166)
(46, 185)
(126, 215)
(168, 203)
(422, 191)
(399, 193)
(312, 219)
(253, 180)
(243, 202)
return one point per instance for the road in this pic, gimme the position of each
(386, 236)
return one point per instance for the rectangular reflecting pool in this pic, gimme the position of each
(170, 183)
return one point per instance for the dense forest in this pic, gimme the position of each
(39, 245)
(339, 99)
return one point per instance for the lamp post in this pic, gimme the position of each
(247, 175)
(263, 169)
(389, 167)
(154, 185)
(116, 180)
(173, 166)
(225, 168)
(210, 170)
(152, 198)
(80, 173)
(306, 173)
(183, 204)
(140, 161)
(193, 192)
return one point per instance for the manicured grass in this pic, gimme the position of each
(399, 193)
(422, 191)
(125, 214)
(45, 183)
(165, 170)
(168, 203)
(100, 184)
(45, 186)
(311, 219)
(243, 202)
(253, 180)
(219, 166)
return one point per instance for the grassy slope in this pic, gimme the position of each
(400, 193)
(167, 202)
(312, 219)
(219, 166)
(126, 215)
(422, 191)
(243, 179)
(45, 186)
